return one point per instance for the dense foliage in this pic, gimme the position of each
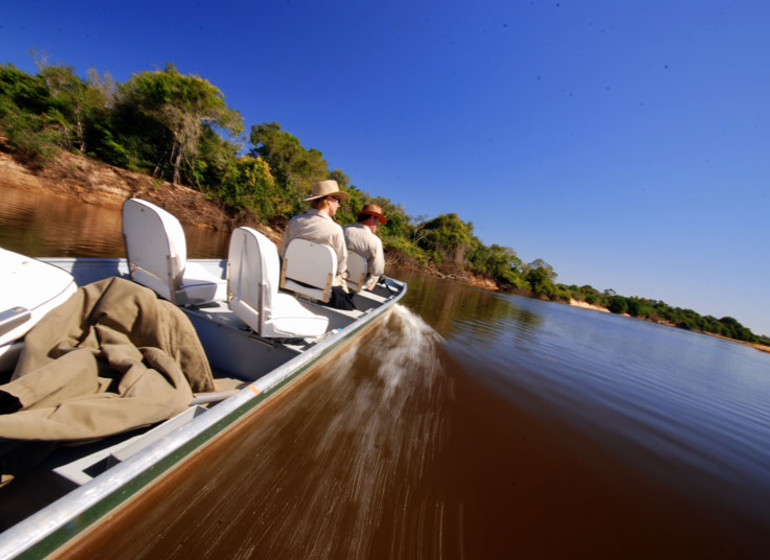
(179, 128)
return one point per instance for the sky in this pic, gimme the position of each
(626, 143)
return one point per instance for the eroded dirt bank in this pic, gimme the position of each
(100, 184)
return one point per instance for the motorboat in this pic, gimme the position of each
(261, 323)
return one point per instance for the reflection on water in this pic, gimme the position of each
(447, 308)
(662, 396)
(42, 225)
(37, 224)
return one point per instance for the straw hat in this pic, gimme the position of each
(327, 188)
(373, 210)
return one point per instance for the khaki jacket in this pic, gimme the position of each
(363, 241)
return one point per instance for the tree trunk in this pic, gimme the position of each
(176, 155)
(80, 130)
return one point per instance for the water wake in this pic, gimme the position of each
(407, 350)
(336, 467)
(390, 426)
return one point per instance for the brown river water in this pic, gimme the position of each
(466, 424)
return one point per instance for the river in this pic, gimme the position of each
(467, 424)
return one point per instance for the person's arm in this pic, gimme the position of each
(377, 263)
(338, 242)
(376, 266)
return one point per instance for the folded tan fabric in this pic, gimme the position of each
(111, 358)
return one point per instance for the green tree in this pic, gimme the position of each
(247, 183)
(540, 275)
(617, 304)
(72, 99)
(499, 263)
(25, 115)
(446, 239)
(342, 180)
(215, 154)
(736, 330)
(183, 105)
(637, 307)
(294, 167)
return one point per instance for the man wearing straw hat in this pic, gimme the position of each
(362, 239)
(317, 224)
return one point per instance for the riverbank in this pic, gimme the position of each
(92, 182)
(585, 305)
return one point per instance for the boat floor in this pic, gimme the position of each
(49, 471)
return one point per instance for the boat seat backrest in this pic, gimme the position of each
(357, 269)
(156, 250)
(309, 268)
(253, 270)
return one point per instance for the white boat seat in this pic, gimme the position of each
(156, 250)
(308, 269)
(31, 288)
(252, 290)
(358, 266)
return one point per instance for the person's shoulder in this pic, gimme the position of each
(301, 215)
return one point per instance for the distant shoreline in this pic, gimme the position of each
(577, 303)
(583, 305)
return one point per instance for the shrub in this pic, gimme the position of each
(618, 304)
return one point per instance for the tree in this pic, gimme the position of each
(736, 330)
(294, 167)
(499, 263)
(182, 105)
(544, 266)
(540, 276)
(618, 304)
(78, 103)
(68, 93)
(25, 106)
(248, 183)
(342, 180)
(446, 239)
(215, 154)
(539, 281)
(398, 225)
(637, 307)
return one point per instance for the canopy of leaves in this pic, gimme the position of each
(27, 117)
(294, 167)
(446, 239)
(182, 105)
(499, 263)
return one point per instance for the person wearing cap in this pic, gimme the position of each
(317, 224)
(362, 239)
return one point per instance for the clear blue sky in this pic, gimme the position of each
(627, 143)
